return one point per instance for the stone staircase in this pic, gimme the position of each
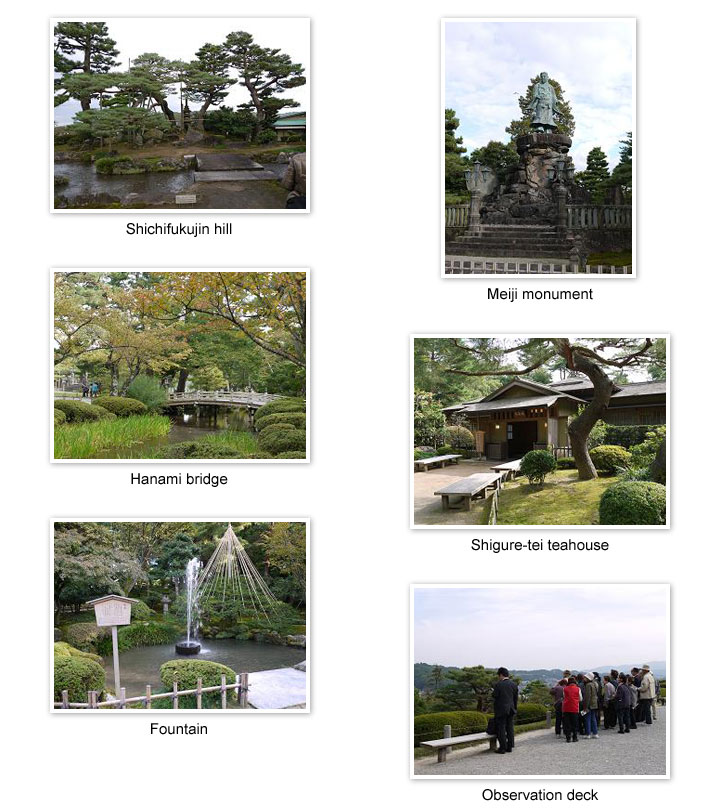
(516, 241)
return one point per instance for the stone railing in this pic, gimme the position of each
(457, 216)
(599, 216)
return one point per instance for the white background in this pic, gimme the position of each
(372, 244)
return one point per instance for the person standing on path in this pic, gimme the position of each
(610, 713)
(646, 694)
(623, 702)
(94, 388)
(571, 709)
(557, 696)
(505, 700)
(590, 705)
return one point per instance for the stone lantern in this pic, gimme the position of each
(166, 604)
(480, 181)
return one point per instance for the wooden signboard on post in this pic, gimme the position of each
(113, 611)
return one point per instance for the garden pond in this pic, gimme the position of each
(140, 666)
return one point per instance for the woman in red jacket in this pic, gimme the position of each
(570, 709)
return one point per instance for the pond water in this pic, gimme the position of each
(84, 180)
(187, 427)
(141, 665)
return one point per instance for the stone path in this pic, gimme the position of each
(541, 753)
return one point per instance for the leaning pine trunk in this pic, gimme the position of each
(579, 429)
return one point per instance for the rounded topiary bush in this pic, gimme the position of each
(530, 713)
(610, 457)
(141, 634)
(280, 439)
(292, 454)
(63, 648)
(78, 411)
(296, 419)
(186, 674)
(536, 464)
(141, 612)
(633, 503)
(85, 635)
(430, 726)
(105, 414)
(120, 406)
(285, 405)
(59, 417)
(459, 438)
(79, 675)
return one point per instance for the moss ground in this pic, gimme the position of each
(562, 501)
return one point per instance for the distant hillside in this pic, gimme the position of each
(422, 679)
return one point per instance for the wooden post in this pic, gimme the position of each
(447, 734)
(148, 696)
(93, 699)
(243, 690)
(223, 693)
(65, 699)
(89, 700)
(237, 688)
(199, 693)
(116, 659)
(122, 698)
(175, 699)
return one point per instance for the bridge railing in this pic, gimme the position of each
(236, 397)
(599, 216)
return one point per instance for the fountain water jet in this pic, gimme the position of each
(192, 574)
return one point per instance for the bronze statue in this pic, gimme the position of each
(543, 106)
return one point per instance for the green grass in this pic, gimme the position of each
(223, 444)
(242, 441)
(619, 259)
(562, 501)
(92, 439)
(420, 753)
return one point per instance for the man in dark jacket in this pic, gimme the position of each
(505, 700)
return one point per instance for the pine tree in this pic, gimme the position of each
(565, 121)
(596, 176)
(455, 161)
(97, 55)
(622, 173)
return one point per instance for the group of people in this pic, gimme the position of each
(91, 390)
(619, 699)
(582, 702)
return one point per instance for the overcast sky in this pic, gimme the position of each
(180, 38)
(489, 64)
(543, 627)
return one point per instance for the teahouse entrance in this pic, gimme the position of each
(521, 437)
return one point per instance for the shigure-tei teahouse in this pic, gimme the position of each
(524, 415)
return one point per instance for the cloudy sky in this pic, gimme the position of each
(180, 38)
(540, 627)
(489, 64)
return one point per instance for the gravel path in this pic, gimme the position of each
(541, 753)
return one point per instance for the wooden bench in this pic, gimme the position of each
(441, 746)
(509, 469)
(423, 464)
(474, 486)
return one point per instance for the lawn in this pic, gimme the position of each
(619, 259)
(562, 501)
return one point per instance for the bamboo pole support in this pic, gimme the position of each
(175, 698)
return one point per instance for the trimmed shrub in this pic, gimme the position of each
(148, 391)
(445, 450)
(296, 419)
(141, 634)
(530, 713)
(105, 414)
(85, 635)
(186, 674)
(292, 454)
(58, 417)
(78, 675)
(633, 503)
(459, 438)
(281, 438)
(285, 405)
(627, 435)
(141, 612)
(610, 457)
(430, 726)
(63, 648)
(120, 406)
(536, 464)
(77, 411)
(567, 463)
(419, 453)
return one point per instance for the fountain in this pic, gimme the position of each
(192, 574)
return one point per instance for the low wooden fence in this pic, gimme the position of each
(457, 216)
(558, 452)
(599, 216)
(494, 507)
(240, 687)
